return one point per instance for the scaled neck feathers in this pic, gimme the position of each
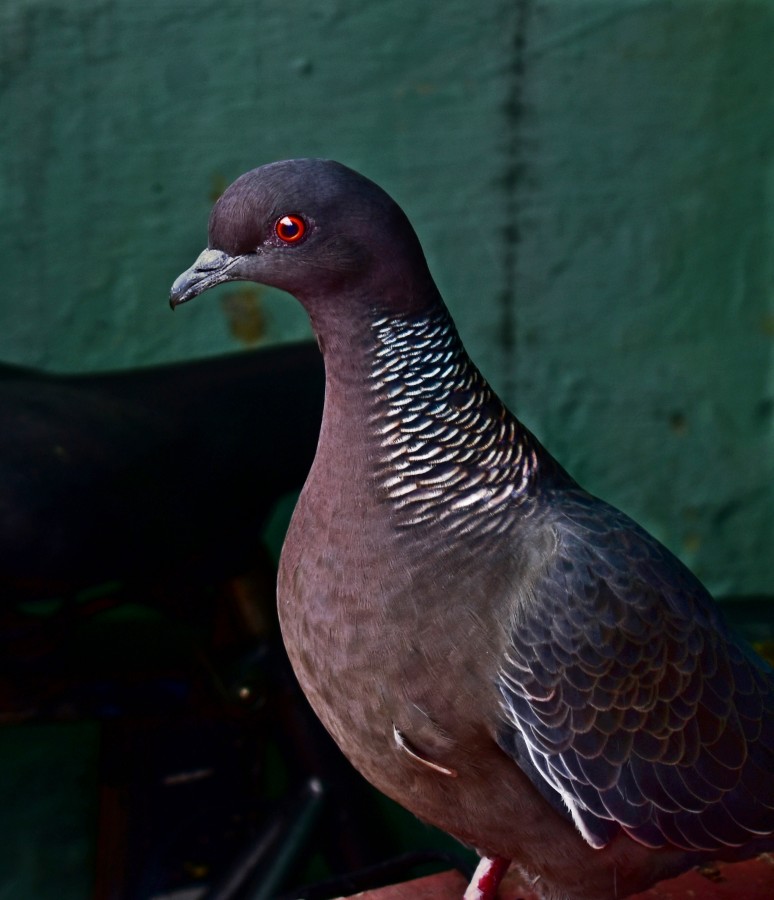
(447, 448)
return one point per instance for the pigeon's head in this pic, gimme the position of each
(318, 230)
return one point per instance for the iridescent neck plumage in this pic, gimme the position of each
(448, 449)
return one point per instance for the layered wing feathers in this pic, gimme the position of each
(625, 694)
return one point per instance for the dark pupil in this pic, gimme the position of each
(289, 228)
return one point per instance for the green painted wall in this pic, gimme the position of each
(592, 182)
(48, 810)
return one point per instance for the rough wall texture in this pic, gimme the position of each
(592, 182)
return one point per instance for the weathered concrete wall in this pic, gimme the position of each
(592, 182)
(645, 273)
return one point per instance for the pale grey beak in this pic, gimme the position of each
(211, 268)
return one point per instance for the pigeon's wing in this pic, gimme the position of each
(626, 699)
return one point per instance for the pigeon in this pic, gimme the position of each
(511, 658)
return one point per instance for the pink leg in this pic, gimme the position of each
(486, 879)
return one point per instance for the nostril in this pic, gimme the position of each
(209, 260)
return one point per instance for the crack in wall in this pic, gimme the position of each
(512, 180)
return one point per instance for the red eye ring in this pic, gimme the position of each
(290, 229)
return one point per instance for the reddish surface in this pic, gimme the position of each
(751, 880)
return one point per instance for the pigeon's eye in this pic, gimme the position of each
(290, 229)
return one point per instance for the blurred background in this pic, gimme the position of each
(593, 184)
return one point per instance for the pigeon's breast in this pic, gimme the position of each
(419, 477)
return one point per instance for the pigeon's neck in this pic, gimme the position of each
(447, 448)
(438, 446)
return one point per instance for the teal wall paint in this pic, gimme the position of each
(48, 810)
(592, 182)
(643, 311)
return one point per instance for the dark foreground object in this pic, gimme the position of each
(750, 880)
(160, 473)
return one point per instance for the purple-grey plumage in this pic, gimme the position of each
(511, 658)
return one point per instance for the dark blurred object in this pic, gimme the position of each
(159, 474)
(752, 615)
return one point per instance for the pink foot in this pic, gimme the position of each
(486, 879)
